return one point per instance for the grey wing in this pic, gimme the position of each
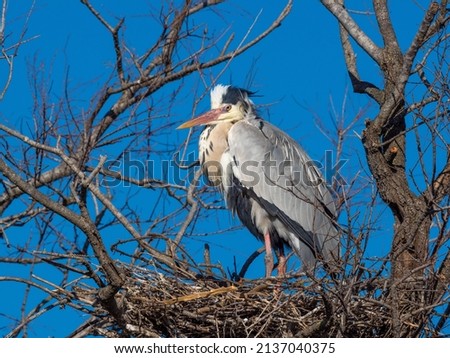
(272, 169)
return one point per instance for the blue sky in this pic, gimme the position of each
(298, 73)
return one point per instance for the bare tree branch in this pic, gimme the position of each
(9, 51)
(350, 60)
(353, 29)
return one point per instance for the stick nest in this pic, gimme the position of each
(155, 305)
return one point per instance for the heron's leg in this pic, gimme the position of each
(269, 257)
(281, 263)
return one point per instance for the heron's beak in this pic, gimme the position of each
(203, 119)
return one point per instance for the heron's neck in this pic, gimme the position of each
(250, 115)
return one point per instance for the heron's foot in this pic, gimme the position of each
(268, 259)
(281, 266)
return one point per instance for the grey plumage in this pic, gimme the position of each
(287, 193)
(267, 179)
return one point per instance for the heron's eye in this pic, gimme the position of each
(227, 108)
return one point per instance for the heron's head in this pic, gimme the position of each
(228, 104)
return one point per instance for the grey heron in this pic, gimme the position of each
(267, 179)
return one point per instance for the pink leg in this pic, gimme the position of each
(281, 265)
(269, 257)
